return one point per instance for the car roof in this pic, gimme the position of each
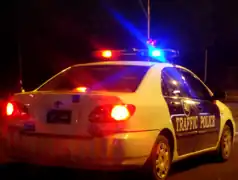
(135, 63)
(159, 65)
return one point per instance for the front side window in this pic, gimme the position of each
(173, 83)
(114, 78)
(196, 89)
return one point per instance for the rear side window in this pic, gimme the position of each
(196, 89)
(173, 83)
(114, 78)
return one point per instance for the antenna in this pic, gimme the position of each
(147, 14)
(20, 68)
(148, 19)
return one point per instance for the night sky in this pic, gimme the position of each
(53, 34)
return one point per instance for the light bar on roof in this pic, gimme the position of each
(151, 53)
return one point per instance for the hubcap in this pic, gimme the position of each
(227, 141)
(162, 160)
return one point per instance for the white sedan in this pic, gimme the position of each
(118, 114)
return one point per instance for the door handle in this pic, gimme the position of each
(172, 103)
(175, 103)
(200, 108)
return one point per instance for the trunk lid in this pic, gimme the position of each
(63, 113)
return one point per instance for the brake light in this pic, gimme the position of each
(9, 109)
(81, 89)
(14, 109)
(112, 113)
(120, 112)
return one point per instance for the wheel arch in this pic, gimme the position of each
(169, 135)
(230, 124)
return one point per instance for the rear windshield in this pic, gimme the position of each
(113, 78)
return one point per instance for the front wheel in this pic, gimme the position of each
(160, 161)
(225, 146)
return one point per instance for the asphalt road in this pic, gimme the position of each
(202, 167)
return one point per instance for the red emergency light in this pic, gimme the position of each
(108, 54)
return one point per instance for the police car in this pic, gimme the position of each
(119, 114)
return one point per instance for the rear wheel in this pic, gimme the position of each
(160, 160)
(225, 146)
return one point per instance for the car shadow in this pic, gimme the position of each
(192, 163)
(16, 171)
(26, 171)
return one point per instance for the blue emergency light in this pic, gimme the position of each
(156, 53)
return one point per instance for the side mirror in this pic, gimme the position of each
(219, 95)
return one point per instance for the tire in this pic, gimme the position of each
(225, 146)
(164, 156)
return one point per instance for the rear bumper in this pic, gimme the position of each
(118, 151)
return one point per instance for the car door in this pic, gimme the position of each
(209, 114)
(184, 115)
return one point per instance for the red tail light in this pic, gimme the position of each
(9, 109)
(112, 113)
(13, 109)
